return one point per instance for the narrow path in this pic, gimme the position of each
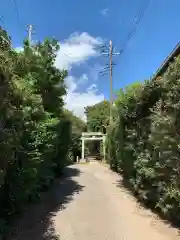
(88, 204)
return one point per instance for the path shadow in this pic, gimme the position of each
(36, 223)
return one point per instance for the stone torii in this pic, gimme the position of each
(93, 136)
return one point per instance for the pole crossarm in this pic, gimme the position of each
(92, 134)
(92, 138)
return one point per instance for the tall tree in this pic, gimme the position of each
(98, 116)
(35, 132)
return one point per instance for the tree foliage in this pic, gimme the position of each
(78, 126)
(35, 131)
(97, 121)
(144, 142)
(98, 116)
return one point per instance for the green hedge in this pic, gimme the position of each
(144, 143)
(35, 132)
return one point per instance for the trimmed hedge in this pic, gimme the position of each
(144, 143)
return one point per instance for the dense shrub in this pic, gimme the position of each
(77, 127)
(35, 131)
(144, 142)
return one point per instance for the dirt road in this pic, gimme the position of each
(89, 205)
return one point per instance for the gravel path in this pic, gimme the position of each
(89, 205)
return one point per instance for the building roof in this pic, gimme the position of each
(168, 60)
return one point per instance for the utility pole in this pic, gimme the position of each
(111, 83)
(110, 53)
(30, 29)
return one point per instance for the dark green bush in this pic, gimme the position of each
(35, 132)
(144, 143)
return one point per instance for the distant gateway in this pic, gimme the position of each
(93, 136)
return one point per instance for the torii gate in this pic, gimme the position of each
(89, 136)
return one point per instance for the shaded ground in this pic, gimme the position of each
(88, 205)
(36, 224)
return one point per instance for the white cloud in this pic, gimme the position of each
(94, 72)
(92, 88)
(77, 101)
(71, 85)
(83, 79)
(19, 49)
(104, 12)
(77, 49)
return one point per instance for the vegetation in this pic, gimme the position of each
(144, 141)
(78, 126)
(98, 117)
(97, 121)
(36, 133)
(38, 137)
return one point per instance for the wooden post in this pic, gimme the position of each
(104, 147)
(82, 156)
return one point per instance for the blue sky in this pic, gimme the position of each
(82, 26)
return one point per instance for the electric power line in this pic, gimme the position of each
(110, 52)
(21, 25)
(135, 23)
(86, 65)
(16, 9)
